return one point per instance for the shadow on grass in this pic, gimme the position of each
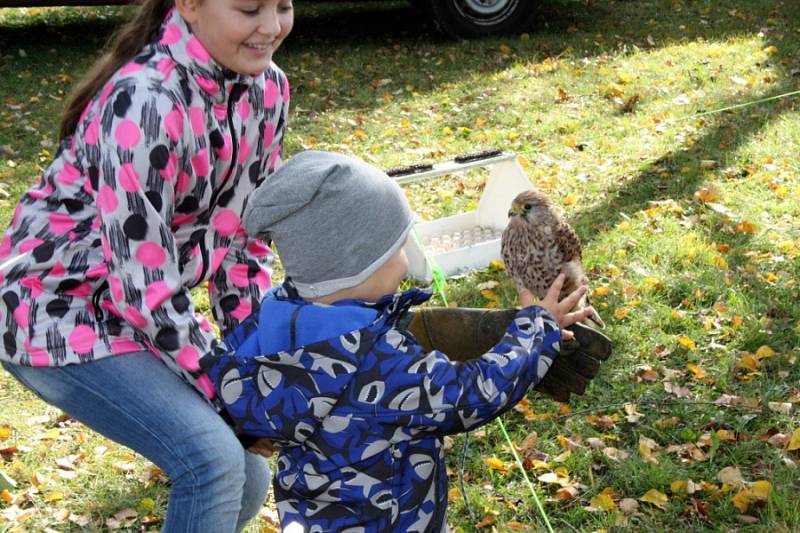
(678, 175)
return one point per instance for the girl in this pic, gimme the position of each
(160, 147)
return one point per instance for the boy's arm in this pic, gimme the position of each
(427, 391)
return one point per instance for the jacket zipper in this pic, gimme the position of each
(236, 93)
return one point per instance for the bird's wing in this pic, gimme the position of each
(568, 242)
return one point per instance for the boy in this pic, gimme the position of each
(357, 407)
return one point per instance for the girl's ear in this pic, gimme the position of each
(188, 9)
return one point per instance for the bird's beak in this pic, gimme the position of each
(514, 211)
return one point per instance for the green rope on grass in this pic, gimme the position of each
(525, 475)
(738, 106)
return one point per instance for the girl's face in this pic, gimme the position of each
(241, 35)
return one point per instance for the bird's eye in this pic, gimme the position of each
(527, 207)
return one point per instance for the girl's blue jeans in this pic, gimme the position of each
(135, 400)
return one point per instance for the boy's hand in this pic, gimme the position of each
(561, 310)
(262, 447)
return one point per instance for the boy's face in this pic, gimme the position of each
(396, 271)
(387, 279)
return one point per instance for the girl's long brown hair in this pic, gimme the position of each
(126, 42)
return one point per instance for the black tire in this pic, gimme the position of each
(479, 18)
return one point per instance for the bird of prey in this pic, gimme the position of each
(538, 244)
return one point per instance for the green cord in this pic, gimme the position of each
(439, 280)
(525, 475)
(738, 106)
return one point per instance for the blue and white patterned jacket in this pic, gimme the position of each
(359, 409)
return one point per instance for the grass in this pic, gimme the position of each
(689, 227)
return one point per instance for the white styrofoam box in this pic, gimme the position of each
(468, 240)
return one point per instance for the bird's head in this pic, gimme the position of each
(530, 205)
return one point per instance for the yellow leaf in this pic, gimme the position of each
(761, 489)
(646, 449)
(5, 432)
(54, 497)
(620, 313)
(447, 131)
(679, 487)
(570, 199)
(748, 362)
(721, 263)
(742, 500)
(724, 434)
(359, 134)
(505, 49)
(698, 373)
(794, 442)
(683, 340)
(601, 291)
(454, 493)
(495, 464)
(652, 282)
(602, 502)
(770, 50)
(490, 295)
(50, 434)
(659, 499)
(496, 264)
(764, 352)
(625, 77)
(6, 496)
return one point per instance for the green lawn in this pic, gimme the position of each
(689, 224)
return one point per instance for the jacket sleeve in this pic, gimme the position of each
(236, 289)
(428, 392)
(138, 161)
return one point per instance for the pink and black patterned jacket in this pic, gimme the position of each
(141, 204)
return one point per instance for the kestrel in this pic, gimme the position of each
(538, 244)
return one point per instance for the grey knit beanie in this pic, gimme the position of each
(334, 220)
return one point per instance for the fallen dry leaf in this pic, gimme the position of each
(601, 502)
(487, 521)
(496, 464)
(785, 408)
(794, 441)
(685, 341)
(657, 498)
(628, 505)
(632, 414)
(646, 448)
(732, 476)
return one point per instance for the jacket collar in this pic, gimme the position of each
(390, 307)
(187, 51)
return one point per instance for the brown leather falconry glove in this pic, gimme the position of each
(464, 333)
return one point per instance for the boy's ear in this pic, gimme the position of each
(188, 9)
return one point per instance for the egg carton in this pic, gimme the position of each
(468, 240)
